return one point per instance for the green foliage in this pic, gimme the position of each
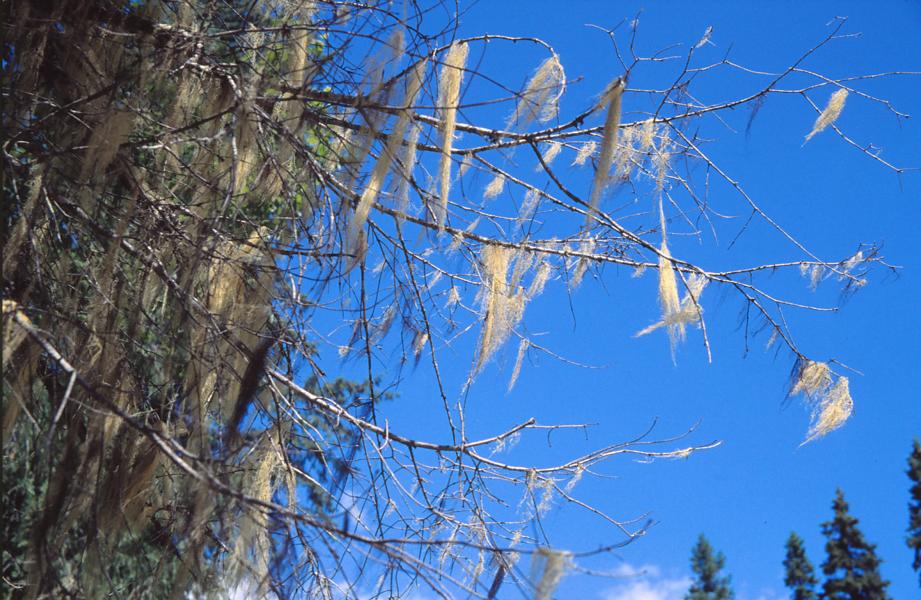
(140, 564)
(706, 564)
(94, 510)
(20, 497)
(799, 574)
(851, 565)
(914, 507)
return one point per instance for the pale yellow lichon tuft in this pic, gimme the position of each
(661, 159)
(251, 549)
(830, 114)
(528, 206)
(812, 378)
(540, 98)
(385, 160)
(587, 247)
(502, 297)
(551, 151)
(647, 136)
(551, 565)
(111, 132)
(407, 162)
(832, 410)
(495, 187)
(668, 287)
(541, 277)
(689, 312)
(448, 99)
(420, 339)
(624, 155)
(495, 270)
(13, 334)
(584, 153)
(608, 140)
(519, 359)
(829, 398)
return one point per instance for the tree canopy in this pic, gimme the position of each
(709, 583)
(914, 505)
(799, 575)
(851, 566)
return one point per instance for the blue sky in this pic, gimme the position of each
(749, 493)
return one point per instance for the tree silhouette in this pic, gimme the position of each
(914, 506)
(709, 583)
(799, 574)
(851, 567)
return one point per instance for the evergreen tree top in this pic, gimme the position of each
(706, 564)
(914, 506)
(800, 575)
(851, 565)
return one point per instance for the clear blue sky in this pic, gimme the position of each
(748, 494)
(759, 485)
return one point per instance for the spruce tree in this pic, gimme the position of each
(851, 565)
(914, 507)
(800, 576)
(706, 564)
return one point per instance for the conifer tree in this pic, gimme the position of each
(914, 507)
(706, 564)
(800, 576)
(851, 566)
